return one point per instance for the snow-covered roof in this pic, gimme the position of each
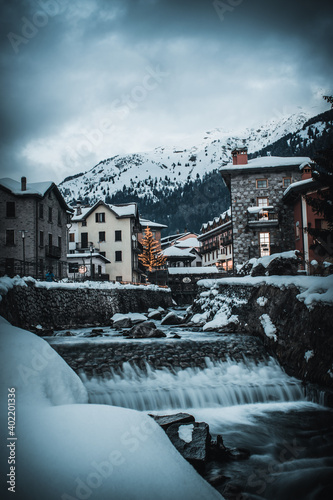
(188, 243)
(123, 210)
(33, 188)
(216, 220)
(268, 162)
(175, 251)
(193, 270)
(87, 255)
(298, 185)
(150, 223)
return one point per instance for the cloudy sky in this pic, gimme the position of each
(83, 80)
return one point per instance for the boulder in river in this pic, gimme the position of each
(145, 330)
(192, 441)
(177, 418)
(172, 319)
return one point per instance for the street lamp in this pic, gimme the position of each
(23, 231)
(91, 248)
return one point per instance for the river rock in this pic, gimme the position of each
(172, 319)
(178, 418)
(196, 450)
(155, 314)
(145, 330)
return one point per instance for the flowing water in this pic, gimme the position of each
(253, 405)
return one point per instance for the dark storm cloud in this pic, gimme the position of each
(64, 61)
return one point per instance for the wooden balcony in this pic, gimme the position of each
(266, 217)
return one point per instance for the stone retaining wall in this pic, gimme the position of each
(304, 340)
(99, 359)
(58, 308)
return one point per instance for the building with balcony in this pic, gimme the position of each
(318, 249)
(216, 242)
(34, 235)
(262, 221)
(111, 231)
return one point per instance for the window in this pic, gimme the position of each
(119, 278)
(10, 209)
(118, 255)
(72, 237)
(262, 202)
(101, 236)
(286, 181)
(99, 269)
(41, 210)
(261, 183)
(73, 267)
(264, 241)
(84, 240)
(100, 217)
(50, 240)
(10, 237)
(50, 214)
(59, 241)
(117, 235)
(59, 217)
(41, 238)
(84, 223)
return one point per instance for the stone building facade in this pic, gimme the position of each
(33, 231)
(262, 222)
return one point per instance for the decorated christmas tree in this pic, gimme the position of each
(152, 258)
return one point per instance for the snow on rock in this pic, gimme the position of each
(7, 283)
(38, 373)
(313, 289)
(133, 317)
(269, 328)
(104, 285)
(185, 432)
(72, 451)
(262, 301)
(221, 319)
(308, 355)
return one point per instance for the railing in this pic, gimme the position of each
(264, 217)
(52, 251)
(209, 247)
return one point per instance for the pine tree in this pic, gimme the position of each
(151, 257)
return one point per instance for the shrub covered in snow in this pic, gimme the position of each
(277, 264)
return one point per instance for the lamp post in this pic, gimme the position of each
(23, 231)
(91, 248)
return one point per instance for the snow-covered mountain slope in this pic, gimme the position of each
(165, 169)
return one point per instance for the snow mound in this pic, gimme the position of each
(8, 283)
(80, 451)
(269, 328)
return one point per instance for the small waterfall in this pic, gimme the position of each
(226, 383)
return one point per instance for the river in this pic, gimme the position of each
(246, 398)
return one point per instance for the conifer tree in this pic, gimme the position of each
(151, 257)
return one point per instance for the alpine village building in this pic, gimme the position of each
(262, 220)
(34, 218)
(106, 237)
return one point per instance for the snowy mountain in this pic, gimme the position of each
(146, 173)
(179, 186)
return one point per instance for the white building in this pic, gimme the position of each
(112, 232)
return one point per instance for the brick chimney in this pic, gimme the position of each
(23, 183)
(306, 172)
(239, 156)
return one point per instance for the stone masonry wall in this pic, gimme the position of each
(304, 343)
(27, 307)
(243, 195)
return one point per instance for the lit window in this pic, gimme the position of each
(72, 237)
(261, 183)
(297, 230)
(264, 241)
(286, 181)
